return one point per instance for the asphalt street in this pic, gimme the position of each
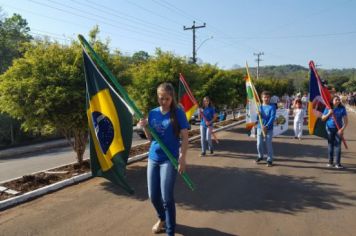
(299, 195)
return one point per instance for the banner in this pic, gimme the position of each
(281, 122)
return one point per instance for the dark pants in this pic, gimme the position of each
(334, 144)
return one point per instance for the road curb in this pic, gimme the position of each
(5, 204)
(42, 191)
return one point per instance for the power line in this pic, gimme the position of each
(297, 36)
(152, 12)
(96, 20)
(129, 28)
(82, 25)
(132, 19)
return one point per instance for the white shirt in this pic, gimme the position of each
(298, 114)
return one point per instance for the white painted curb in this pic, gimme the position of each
(55, 186)
(42, 191)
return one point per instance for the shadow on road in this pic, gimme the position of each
(188, 230)
(232, 189)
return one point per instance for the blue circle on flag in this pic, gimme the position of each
(104, 130)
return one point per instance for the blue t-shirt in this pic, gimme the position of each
(339, 113)
(268, 114)
(164, 129)
(208, 113)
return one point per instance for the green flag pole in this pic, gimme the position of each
(137, 112)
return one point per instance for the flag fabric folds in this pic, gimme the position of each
(186, 98)
(251, 107)
(110, 124)
(319, 97)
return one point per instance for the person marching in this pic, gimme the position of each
(298, 113)
(208, 116)
(170, 123)
(335, 135)
(267, 112)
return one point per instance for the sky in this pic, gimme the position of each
(285, 31)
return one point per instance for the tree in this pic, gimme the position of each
(46, 90)
(337, 82)
(163, 67)
(14, 32)
(350, 86)
(140, 57)
(225, 89)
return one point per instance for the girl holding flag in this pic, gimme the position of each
(334, 134)
(170, 123)
(207, 118)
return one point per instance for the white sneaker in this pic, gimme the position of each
(159, 227)
(339, 166)
(329, 165)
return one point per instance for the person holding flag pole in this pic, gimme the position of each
(266, 114)
(190, 104)
(208, 116)
(336, 122)
(125, 97)
(334, 114)
(170, 123)
(325, 96)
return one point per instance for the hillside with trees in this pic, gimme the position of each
(340, 79)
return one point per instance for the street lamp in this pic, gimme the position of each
(201, 44)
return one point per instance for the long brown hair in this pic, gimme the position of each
(168, 88)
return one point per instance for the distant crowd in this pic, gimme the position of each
(348, 98)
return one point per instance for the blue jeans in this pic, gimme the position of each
(161, 177)
(334, 144)
(260, 144)
(205, 138)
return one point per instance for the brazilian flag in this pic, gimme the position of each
(110, 124)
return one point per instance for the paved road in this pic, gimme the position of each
(44, 158)
(234, 196)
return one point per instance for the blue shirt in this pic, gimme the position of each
(208, 113)
(339, 113)
(268, 114)
(161, 123)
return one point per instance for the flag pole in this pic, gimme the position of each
(258, 104)
(327, 103)
(191, 96)
(133, 106)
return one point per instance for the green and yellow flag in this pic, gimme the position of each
(110, 125)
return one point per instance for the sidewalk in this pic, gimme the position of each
(234, 196)
(32, 148)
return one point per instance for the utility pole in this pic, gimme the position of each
(258, 62)
(193, 28)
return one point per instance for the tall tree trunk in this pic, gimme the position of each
(80, 142)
